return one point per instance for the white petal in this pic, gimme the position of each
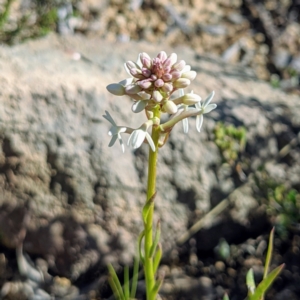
(116, 89)
(113, 140)
(150, 141)
(185, 123)
(109, 118)
(140, 136)
(198, 105)
(127, 70)
(208, 99)
(129, 139)
(209, 108)
(113, 131)
(138, 106)
(199, 122)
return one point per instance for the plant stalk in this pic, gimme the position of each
(151, 189)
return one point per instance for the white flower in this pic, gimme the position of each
(138, 136)
(204, 109)
(115, 131)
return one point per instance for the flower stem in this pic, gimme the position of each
(151, 189)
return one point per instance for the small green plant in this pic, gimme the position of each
(275, 81)
(46, 21)
(284, 205)
(258, 292)
(231, 141)
(4, 15)
(282, 202)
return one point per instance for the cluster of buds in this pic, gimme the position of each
(151, 85)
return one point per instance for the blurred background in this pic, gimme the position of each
(264, 35)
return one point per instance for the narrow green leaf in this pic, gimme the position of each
(250, 282)
(126, 283)
(156, 287)
(156, 239)
(226, 297)
(142, 257)
(135, 277)
(115, 283)
(147, 207)
(157, 258)
(266, 283)
(269, 253)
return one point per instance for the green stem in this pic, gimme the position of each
(151, 188)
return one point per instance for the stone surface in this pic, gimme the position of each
(77, 201)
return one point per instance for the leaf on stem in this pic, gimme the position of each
(147, 207)
(156, 239)
(157, 258)
(142, 257)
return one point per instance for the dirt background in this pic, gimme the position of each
(262, 35)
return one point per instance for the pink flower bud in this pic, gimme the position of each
(175, 75)
(130, 65)
(181, 83)
(171, 60)
(136, 73)
(145, 60)
(162, 55)
(145, 84)
(167, 70)
(159, 83)
(146, 72)
(166, 77)
(179, 66)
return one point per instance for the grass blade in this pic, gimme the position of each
(126, 282)
(115, 283)
(135, 277)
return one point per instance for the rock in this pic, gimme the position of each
(84, 199)
(281, 58)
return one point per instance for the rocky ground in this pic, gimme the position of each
(63, 196)
(261, 34)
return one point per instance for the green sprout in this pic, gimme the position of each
(231, 141)
(258, 292)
